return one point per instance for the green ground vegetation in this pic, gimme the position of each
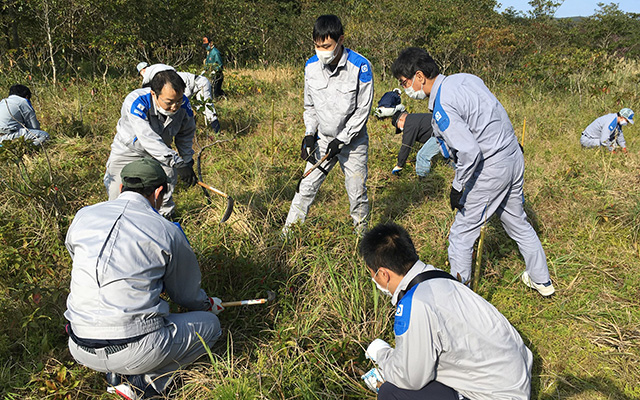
(309, 344)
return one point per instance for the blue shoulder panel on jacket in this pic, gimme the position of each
(365, 68)
(441, 117)
(613, 124)
(141, 105)
(187, 105)
(403, 312)
(311, 60)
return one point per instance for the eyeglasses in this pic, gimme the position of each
(404, 83)
(171, 104)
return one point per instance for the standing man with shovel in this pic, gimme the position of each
(338, 92)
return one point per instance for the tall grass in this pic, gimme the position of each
(309, 343)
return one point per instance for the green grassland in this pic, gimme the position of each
(585, 205)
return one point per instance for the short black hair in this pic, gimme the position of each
(327, 26)
(168, 76)
(389, 246)
(145, 191)
(412, 60)
(20, 90)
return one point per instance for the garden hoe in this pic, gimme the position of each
(316, 165)
(229, 210)
(270, 297)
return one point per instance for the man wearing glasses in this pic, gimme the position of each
(479, 137)
(151, 120)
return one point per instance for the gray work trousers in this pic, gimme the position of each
(496, 189)
(158, 354)
(112, 180)
(353, 162)
(36, 135)
(586, 141)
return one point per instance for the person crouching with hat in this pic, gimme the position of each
(125, 255)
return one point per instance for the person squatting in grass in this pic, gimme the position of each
(477, 133)
(449, 341)
(150, 120)
(415, 128)
(18, 118)
(124, 256)
(338, 92)
(606, 131)
(195, 85)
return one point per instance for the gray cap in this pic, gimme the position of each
(144, 173)
(627, 113)
(142, 66)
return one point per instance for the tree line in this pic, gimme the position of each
(58, 39)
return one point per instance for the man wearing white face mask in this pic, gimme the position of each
(607, 131)
(449, 341)
(151, 120)
(338, 92)
(489, 177)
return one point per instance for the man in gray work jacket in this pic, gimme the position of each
(338, 92)
(18, 118)
(489, 177)
(124, 256)
(195, 85)
(449, 341)
(606, 131)
(151, 120)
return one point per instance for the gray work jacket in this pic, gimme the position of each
(337, 103)
(446, 332)
(143, 131)
(607, 130)
(16, 111)
(472, 123)
(124, 255)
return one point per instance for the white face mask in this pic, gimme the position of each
(415, 94)
(165, 112)
(327, 56)
(623, 122)
(384, 291)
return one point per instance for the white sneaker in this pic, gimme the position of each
(125, 391)
(545, 289)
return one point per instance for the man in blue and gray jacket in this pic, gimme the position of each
(606, 131)
(151, 120)
(449, 341)
(338, 92)
(489, 177)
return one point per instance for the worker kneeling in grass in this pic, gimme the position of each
(125, 255)
(606, 131)
(449, 340)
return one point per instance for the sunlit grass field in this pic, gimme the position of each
(309, 344)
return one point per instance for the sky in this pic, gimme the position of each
(575, 8)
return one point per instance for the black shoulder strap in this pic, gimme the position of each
(425, 276)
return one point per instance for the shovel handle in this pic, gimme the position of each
(243, 303)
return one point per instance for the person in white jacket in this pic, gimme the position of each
(338, 92)
(606, 131)
(195, 85)
(18, 118)
(151, 120)
(449, 341)
(477, 134)
(124, 256)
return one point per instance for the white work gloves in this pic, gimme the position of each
(374, 348)
(216, 305)
(373, 379)
(382, 112)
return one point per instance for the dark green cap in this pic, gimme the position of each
(143, 174)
